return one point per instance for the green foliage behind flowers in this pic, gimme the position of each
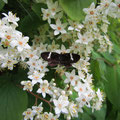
(30, 88)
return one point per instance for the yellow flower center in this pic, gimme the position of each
(60, 106)
(59, 28)
(41, 67)
(71, 77)
(8, 37)
(43, 89)
(20, 43)
(83, 99)
(28, 113)
(31, 55)
(46, 116)
(92, 12)
(53, 9)
(81, 89)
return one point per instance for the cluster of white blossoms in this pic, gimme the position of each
(13, 44)
(37, 111)
(56, 36)
(81, 38)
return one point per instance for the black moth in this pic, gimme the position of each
(65, 59)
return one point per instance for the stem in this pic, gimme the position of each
(42, 99)
(38, 97)
(36, 101)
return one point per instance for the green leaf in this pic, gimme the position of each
(100, 114)
(95, 69)
(118, 116)
(74, 8)
(37, 9)
(85, 116)
(5, 1)
(109, 57)
(30, 23)
(13, 101)
(112, 85)
(116, 48)
(1, 4)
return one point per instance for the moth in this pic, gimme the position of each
(65, 59)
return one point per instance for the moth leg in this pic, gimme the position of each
(71, 56)
(49, 55)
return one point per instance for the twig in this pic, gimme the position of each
(38, 97)
(41, 99)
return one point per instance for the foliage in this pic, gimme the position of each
(103, 65)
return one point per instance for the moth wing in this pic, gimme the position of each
(47, 56)
(67, 59)
(52, 58)
(64, 59)
(75, 57)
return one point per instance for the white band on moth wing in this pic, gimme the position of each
(49, 55)
(71, 56)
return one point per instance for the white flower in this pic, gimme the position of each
(27, 85)
(53, 46)
(61, 104)
(84, 39)
(36, 77)
(32, 63)
(75, 26)
(32, 54)
(52, 117)
(83, 100)
(44, 88)
(8, 61)
(42, 48)
(29, 114)
(20, 43)
(58, 15)
(80, 88)
(97, 105)
(42, 66)
(99, 94)
(47, 15)
(114, 9)
(65, 37)
(73, 110)
(104, 28)
(71, 78)
(91, 10)
(76, 47)
(37, 109)
(63, 50)
(53, 7)
(11, 18)
(59, 28)
(89, 78)
(81, 74)
(104, 5)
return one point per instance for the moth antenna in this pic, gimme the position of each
(71, 56)
(49, 55)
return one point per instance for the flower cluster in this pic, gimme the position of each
(37, 113)
(13, 44)
(79, 80)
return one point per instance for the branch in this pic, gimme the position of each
(37, 97)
